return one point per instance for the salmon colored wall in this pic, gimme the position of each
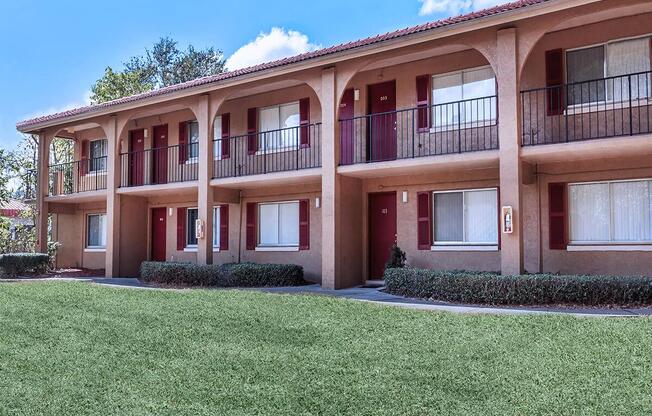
(134, 226)
(70, 232)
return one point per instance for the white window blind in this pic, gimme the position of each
(466, 217)
(278, 224)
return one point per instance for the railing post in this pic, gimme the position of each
(629, 95)
(459, 127)
(565, 88)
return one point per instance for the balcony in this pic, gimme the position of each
(283, 150)
(79, 176)
(600, 108)
(158, 166)
(441, 129)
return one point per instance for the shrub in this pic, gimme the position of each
(14, 264)
(223, 275)
(397, 258)
(536, 289)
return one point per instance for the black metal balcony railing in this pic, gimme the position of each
(287, 149)
(454, 127)
(78, 176)
(606, 107)
(161, 165)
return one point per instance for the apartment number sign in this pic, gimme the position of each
(384, 98)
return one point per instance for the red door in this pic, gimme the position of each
(160, 154)
(158, 234)
(136, 157)
(382, 231)
(347, 147)
(381, 127)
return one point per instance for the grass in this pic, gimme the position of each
(80, 349)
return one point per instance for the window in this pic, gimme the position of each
(278, 224)
(191, 235)
(217, 136)
(193, 140)
(216, 227)
(97, 155)
(466, 217)
(587, 69)
(96, 231)
(477, 85)
(279, 126)
(612, 212)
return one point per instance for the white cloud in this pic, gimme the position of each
(276, 44)
(455, 7)
(81, 102)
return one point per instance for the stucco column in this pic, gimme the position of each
(509, 133)
(205, 192)
(41, 192)
(112, 268)
(329, 181)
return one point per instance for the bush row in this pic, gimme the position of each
(15, 264)
(223, 275)
(535, 289)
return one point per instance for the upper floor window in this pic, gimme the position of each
(610, 212)
(278, 224)
(279, 126)
(217, 135)
(96, 231)
(466, 217)
(97, 149)
(193, 140)
(604, 72)
(463, 97)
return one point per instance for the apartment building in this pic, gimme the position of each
(513, 139)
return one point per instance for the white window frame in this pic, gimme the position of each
(263, 148)
(188, 246)
(463, 245)
(466, 124)
(613, 104)
(217, 139)
(91, 171)
(192, 159)
(608, 245)
(216, 228)
(89, 248)
(277, 247)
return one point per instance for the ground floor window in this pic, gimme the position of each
(96, 231)
(216, 227)
(466, 217)
(610, 212)
(278, 224)
(191, 233)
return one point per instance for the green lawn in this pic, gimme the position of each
(75, 348)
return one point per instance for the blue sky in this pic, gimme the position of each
(52, 52)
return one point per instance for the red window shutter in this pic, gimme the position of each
(226, 133)
(83, 165)
(183, 141)
(423, 221)
(252, 128)
(555, 82)
(181, 229)
(500, 230)
(304, 224)
(304, 117)
(224, 227)
(423, 102)
(252, 207)
(558, 219)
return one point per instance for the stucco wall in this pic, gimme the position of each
(70, 231)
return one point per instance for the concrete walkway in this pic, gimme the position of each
(378, 296)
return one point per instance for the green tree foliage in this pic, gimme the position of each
(165, 64)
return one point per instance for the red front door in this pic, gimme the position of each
(381, 127)
(136, 157)
(160, 154)
(382, 231)
(158, 234)
(347, 147)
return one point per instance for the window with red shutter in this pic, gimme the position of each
(424, 233)
(226, 133)
(224, 227)
(558, 220)
(181, 228)
(555, 102)
(252, 128)
(304, 122)
(183, 141)
(423, 102)
(251, 225)
(83, 165)
(304, 224)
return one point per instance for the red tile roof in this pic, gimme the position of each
(449, 21)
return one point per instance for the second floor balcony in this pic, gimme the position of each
(606, 107)
(158, 166)
(431, 130)
(78, 176)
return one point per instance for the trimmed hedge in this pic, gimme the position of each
(535, 289)
(15, 264)
(223, 275)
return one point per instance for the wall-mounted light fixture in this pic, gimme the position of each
(170, 211)
(145, 133)
(317, 202)
(356, 94)
(405, 197)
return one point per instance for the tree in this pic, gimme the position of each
(164, 65)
